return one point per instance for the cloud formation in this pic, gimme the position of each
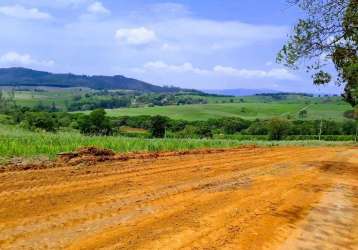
(207, 36)
(54, 3)
(218, 70)
(19, 11)
(277, 73)
(15, 59)
(98, 8)
(182, 68)
(136, 36)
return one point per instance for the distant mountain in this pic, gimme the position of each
(239, 92)
(29, 77)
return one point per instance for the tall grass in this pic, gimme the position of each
(22, 143)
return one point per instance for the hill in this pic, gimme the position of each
(29, 77)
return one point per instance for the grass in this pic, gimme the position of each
(245, 110)
(16, 142)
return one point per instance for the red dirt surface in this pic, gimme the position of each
(249, 198)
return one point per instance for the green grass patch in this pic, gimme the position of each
(244, 110)
(16, 142)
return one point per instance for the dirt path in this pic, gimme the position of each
(250, 198)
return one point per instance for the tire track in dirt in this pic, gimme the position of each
(183, 187)
(217, 200)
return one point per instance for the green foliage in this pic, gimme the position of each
(204, 131)
(234, 125)
(158, 126)
(40, 120)
(257, 128)
(278, 128)
(16, 141)
(349, 127)
(89, 102)
(96, 123)
(189, 131)
(329, 30)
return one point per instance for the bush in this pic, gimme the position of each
(40, 120)
(349, 127)
(189, 131)
(158, 126)
(278, 128)
(257, 128)
(204, 131)
(96, 123)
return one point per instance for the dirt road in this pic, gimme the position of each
(250, 198)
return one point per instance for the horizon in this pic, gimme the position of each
(215, 44)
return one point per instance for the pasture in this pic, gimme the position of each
(328, 111)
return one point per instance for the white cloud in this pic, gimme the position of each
(200, 36)
(183, 68)
(98, 8)
(209, 36)
(136, 36)
(279, 73)
(17, 59)
(54, 3)
(19, 11)
(160, 66)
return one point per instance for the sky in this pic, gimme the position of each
(202, 44)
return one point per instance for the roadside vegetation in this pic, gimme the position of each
(18, 142)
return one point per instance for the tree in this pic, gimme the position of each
(278, 128)
(328, 32)
(158, 126)
(234, 125)
(40, 120)
(96, 123)
(204, 131)
(257, 128)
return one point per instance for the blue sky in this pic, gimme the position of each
(211, 44)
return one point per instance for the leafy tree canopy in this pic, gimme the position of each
(328, 32)
(158, 126)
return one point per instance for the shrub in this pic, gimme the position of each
(96, 123)
(278, 128)
(40, 120)
(158, 126)
(204, 131)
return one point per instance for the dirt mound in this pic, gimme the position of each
(92, 155)
(86, 155)
(17, 164)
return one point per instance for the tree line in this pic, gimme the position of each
(98, 123)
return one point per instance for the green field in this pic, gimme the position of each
(329, 111)
(46, 96)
